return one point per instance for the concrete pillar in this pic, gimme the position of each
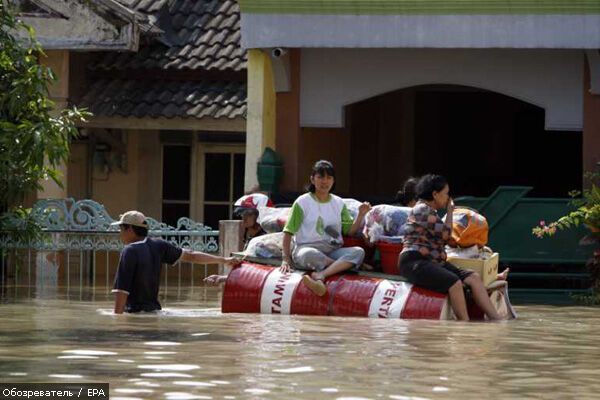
(58, 61)
(260, 125)
(231, 236)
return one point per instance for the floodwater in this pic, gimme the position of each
(192, 351)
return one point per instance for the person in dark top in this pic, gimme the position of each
(251, 227)
(137, 279)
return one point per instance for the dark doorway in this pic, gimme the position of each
(478, 139)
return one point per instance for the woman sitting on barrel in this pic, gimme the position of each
(423, 258)
(317, 221)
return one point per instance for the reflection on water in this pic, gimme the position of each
(192, 351)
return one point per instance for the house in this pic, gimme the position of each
(166, 82)
(486, 93)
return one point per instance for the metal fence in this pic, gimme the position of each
(79, 247)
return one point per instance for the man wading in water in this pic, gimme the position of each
(137, 279)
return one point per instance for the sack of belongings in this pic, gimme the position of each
(386, 223)
(273, 219)
(266, 246)
(469, 228)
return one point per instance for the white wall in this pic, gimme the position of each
(333, 78)
(495, 31)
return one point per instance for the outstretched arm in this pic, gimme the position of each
(198, 257)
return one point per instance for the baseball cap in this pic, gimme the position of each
(253, 200)
(134, 218)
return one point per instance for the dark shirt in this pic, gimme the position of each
(426, 233)
(248, 237)
(139, 272)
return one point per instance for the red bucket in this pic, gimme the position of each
(350, 241)
(389, 253)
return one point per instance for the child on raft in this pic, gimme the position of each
(317, 221)
(423, 258)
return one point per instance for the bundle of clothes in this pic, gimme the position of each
(469, 235)
(384, 223)
(266, 246)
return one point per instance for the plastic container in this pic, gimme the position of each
(389, 253)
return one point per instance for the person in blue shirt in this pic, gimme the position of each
(138, 276)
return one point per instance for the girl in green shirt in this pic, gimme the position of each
(317, 221)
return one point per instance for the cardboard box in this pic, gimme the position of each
(488, 269)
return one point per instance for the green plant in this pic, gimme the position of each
(587, 211)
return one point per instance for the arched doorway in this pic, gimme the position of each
(477, 138)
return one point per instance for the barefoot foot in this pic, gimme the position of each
(315, 285)
(503, 275)
(367, 267)
(317, 276)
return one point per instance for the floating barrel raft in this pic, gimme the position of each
(259, 288)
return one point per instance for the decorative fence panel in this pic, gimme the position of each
(78, 246)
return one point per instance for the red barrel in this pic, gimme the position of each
(389, 253)
(254, 288)
(243, 288)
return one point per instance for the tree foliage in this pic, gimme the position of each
(34, 138)
(34, 141)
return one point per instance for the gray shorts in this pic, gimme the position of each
(314, 257)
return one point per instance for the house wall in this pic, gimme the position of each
(333, 78)
(58, 61)
(139, 187)
(118, 190)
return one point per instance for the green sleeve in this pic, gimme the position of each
(347, 220)
(294, 220)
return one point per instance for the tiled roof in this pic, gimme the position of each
(198, 34)
(184, 99)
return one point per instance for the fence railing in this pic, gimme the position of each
(78, 246)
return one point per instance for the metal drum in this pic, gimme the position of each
(256, 288)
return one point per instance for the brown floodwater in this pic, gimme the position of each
(192, 351)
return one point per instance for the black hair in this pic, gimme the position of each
(428, 184)
(239, 212)
(322, 168)
(408, 192)
(249, 211)
(138, 230)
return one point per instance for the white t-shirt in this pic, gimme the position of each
(313, 221)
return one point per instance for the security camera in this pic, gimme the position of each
(278, 52)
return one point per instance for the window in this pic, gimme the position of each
(223, 182)
(176, 180)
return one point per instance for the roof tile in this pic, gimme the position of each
(111, 97)
(189, 25)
